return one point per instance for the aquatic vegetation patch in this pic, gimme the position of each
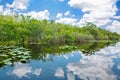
(9, 55)
(67, 47)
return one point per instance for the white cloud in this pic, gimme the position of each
(38, 15)
(59, 72)
(1, 8)
(71, 21)
(67, 13)
(93, 5)
(98, 12)
(59, 15)
(65, 18)
(114, 27)
(7, 11)
(116, 17)
(18, 5)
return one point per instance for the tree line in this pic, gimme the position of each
(17, 29)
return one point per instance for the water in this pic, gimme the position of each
(100, 63)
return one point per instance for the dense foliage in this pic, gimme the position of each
(24, 29)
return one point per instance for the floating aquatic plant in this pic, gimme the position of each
(67, 47)
(9, 55)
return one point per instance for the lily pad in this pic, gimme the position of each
(9, 55)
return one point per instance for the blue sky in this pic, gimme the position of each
(103, 13)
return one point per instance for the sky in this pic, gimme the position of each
(102, 13)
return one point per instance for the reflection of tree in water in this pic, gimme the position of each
(92, 47)
(10, 55)
(47, 52)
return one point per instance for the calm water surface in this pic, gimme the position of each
(103, 64)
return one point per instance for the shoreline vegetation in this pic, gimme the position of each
(19, 29)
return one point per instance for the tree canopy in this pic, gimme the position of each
(17, 29)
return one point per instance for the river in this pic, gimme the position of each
(100, 64)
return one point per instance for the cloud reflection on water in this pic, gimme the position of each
(97, 66)
(23, 70)
(59, 73)
(70, 76)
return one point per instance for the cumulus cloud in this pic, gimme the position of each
(18, 5)
(116, 17)
(93, 10)
(8, 11)
(71, 21)
(38, 15)
(66, 14)
(65, 19)
(98, 12)
(114, 27)
(59, 73)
